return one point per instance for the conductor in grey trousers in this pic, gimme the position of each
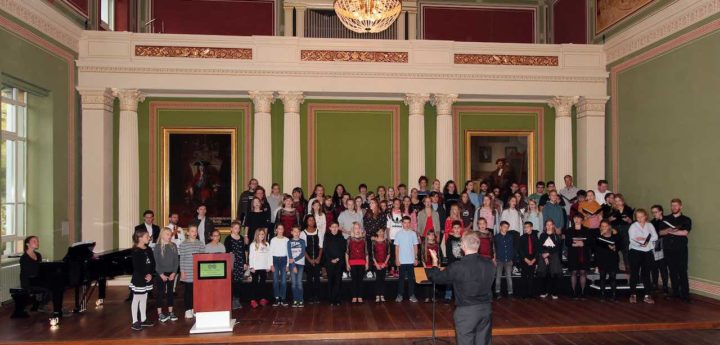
(471, 279)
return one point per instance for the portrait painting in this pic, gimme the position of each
(511, 157)
(610, 12)
(199, 169)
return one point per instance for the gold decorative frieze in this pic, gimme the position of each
(353, 56)
(512, 60)
(194, 52)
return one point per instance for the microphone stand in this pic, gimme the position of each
(433, 339)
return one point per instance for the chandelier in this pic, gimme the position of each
(367, 16)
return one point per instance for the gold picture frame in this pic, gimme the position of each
(494, 135)
(213, 155)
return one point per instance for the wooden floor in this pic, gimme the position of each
(703, 337)
(561, 321)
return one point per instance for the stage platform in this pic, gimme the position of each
(110, 324)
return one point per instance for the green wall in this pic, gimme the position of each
(353, 147)
(668, 120)
(47, 157)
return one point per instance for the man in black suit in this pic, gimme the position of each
(149, 225)
(471, 279)
(204, 224)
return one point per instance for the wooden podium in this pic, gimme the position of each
(212, 293)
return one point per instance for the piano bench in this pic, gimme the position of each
(21, 297)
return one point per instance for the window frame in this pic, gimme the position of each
(17, 227)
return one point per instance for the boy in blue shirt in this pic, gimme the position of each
(406, 249)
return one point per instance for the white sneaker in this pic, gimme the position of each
(544, 295)
(554, 297)
(189, 314)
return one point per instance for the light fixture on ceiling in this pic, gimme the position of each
(367, 16)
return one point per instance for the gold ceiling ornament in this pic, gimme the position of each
(367, 16)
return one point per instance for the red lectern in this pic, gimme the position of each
(212, 293)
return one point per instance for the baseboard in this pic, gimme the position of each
(705, 287)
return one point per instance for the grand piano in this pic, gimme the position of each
(81, 269)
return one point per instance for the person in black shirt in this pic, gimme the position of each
(334, 246)
(528, 251)
(472, 278)
(661, 267)
(30, 269)
(141, 282)
(577, 239)
(245, 199)
(313, 256)
(30, 261)
(606, 258)
(620, 219)
(676, 250)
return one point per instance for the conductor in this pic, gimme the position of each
(472, 279)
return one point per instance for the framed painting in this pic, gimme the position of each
(515, 149)
(610, 12)
(199, 168)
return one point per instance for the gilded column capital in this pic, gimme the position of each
(563, 105)
(444, 102)
(129, 98)
(291, 100)
(416, 102)
(262, 100)
(96, 99)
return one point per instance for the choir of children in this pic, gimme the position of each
(405, 229)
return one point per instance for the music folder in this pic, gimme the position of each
(421, 276)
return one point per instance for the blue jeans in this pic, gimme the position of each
(296, 282)
(407, 270)
(279, 279)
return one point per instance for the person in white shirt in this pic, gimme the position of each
(319, 214)
(642, 235)
(259, 263)
(512, 216)
(601, 191)
(569, 193)
(279, 251)
(178, 234)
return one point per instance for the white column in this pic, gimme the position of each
(262, 140)
(563, 136)
(401, 26)
(590, 141)
(299, 21)
(444, 137)
(97, 167)
(412, 23)
(292, 168)
(288, 20)
(416, 135)
(128, 170)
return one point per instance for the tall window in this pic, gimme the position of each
(13, 168)
(107, 14)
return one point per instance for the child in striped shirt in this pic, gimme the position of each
(192, 245)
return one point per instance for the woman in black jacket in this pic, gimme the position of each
(606, 257)
(578, 241)
(334, 247)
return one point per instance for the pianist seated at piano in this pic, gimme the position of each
(30, 270)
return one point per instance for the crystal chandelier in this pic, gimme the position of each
(367, 16)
